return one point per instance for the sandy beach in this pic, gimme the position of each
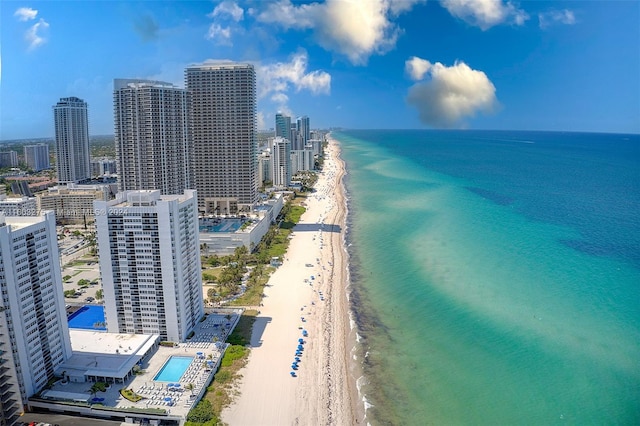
(307, 292)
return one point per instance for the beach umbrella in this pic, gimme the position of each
(168, 398)
(301, 340)
(293, 374)
(95, 399)
(177, 385)
(300, 347)
(170, 385)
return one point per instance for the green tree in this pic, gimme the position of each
(99, 294)
(202, 412)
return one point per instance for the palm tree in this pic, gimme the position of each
(189, 387)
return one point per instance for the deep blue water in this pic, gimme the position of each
(87, 318)
(496, 275)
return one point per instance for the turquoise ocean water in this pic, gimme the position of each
(496, 276)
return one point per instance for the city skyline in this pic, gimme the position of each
(376, 64)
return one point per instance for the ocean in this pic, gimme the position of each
(495, 276)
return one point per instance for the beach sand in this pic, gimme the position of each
(324, 391)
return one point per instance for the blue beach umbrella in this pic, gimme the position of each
(301, 340)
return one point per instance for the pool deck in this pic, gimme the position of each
(206, 345)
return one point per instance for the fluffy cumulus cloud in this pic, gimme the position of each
(219, 34)
(356, 29)
(228, 9)
(25, 14)
(554, 17)
(282, 76)
(225, 17)
(448, 95)
(485, 13)
(35, 35)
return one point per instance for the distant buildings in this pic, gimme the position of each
(303, 133)
(22, 206)
(222, 125)
(8, 159)
(34, 335)
(72, 140)
(152, 142)
(37, 157)
(150, 263)
(283, 126)
(281, 162)
(72, 203)
(101, 167)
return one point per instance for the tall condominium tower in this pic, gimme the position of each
(281, 162)
(152, 143)
(37, 156)
(223, 128)
(303, 132)
(283, 126)
(34, 335)
(150, 263)
(72, 140)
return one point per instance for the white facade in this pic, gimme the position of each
(72, 140)
(37, 157)
(34, 335)
(281, 162)
(24, 206)
(223, 128)
(73, 203)
(302, 160)
(150, 263)
(152, 142)
(265, 170)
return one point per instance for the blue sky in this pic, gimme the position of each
(478, 64)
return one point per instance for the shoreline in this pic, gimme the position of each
(308, 291)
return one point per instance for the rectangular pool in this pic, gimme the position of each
(89, 317)
(173, 369)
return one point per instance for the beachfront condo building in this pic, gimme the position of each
(34, 335)
(72, 140)
(37, 157)
(223, 129)
(281, 162)
(150, 263)
(152, 143)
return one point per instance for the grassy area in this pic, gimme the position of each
(221, 391)
(253, 295)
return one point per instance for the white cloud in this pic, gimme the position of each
(485, 13)
(416, 67)
(566, 17)
(282, 76)
(229, 8)
(25, 14)
(451, 94)
(280, 98)
(220, 34)
(354, 28)
(34, 34)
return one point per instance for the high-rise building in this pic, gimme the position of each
(283, 126)
(303, 132)
(223, 128)
(281, 162)
(150, 263)
(8, 159)
(72, 140)
(34, 335)
(37, 157)
(152, 144)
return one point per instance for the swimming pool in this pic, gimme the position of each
(173, 369)
(89, 317)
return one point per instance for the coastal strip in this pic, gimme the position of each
(306, 294)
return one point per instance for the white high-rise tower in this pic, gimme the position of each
(223, 128)
(152, 143)
(72, 140)
(150, 263)
(281, 162)
(34, 335)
